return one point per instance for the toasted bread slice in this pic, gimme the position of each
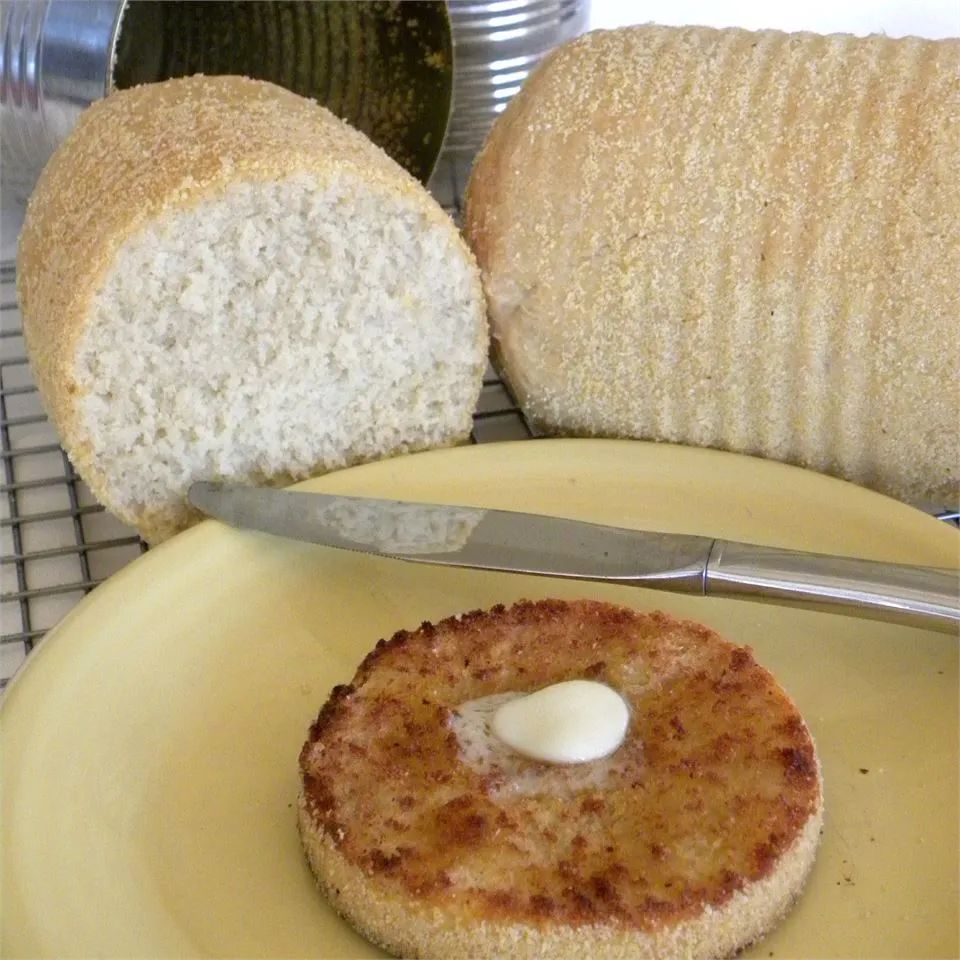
(692, 839)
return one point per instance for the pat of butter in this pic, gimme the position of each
(571, 722)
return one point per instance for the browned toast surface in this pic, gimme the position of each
(714, 783)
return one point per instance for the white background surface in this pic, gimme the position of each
(924, 18)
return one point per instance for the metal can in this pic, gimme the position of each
(497, 44)
(54, 61)
(385, 66)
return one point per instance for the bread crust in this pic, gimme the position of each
(145, 152)
(741, 240)
(697, 845)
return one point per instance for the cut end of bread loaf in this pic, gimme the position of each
(278, 330)
(269, 297)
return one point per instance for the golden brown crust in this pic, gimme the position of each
(715, 789)
(144, 152)
(740, 240)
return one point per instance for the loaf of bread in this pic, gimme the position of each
(748, 241)
(220, 279)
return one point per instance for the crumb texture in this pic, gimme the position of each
(741, 240)
(694, 836)
(307, 344)
(263, 296)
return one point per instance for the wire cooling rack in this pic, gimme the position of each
(56, 542)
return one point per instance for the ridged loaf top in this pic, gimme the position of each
(742, 240)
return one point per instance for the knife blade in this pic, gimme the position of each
(534, 544)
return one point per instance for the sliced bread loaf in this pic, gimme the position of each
(740, 240)
(220, 279)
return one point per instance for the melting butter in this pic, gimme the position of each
(507, 773)
(571, 722)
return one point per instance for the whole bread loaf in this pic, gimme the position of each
(740, 240)
(220, 279)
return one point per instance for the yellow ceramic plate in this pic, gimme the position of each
(150, 745)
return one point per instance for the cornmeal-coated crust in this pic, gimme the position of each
(733, 239)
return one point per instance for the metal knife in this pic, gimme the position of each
(527, 543)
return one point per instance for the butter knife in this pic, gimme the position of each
(508, 541)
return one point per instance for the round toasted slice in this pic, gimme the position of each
(433, 839)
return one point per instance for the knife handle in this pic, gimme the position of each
(921, 596)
